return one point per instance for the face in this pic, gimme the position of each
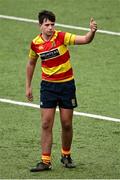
(47, 27)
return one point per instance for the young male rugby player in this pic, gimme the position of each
(57, 86)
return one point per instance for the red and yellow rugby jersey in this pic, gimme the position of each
(55, 57)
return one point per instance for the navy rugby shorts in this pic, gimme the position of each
(58, 94)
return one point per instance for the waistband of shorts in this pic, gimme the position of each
(66, 82)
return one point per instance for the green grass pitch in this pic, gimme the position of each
(96, 147)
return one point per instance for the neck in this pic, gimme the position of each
(46, 37)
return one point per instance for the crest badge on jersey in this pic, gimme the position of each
(53, 44)
(40, 48)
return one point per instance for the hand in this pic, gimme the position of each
(29, 94)
(93, 25)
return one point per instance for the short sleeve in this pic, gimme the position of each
(69, 39)
(32, 53)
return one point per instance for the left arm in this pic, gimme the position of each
(87, 38)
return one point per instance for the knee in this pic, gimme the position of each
(46, 125)
(67, 126)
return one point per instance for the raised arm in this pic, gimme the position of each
(87, 38)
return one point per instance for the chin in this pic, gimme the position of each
(50, 33)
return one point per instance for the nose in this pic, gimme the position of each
(50, 26)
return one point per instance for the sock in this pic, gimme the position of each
(46, 158)
(65, 152)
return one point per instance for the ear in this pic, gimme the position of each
(39, 25)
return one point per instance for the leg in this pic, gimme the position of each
(67, 134)
(47, 117)
(66, 116)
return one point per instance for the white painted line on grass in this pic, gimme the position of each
(19, 103)
(59, 25)
(75, 112)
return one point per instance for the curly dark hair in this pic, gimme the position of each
(46, 15)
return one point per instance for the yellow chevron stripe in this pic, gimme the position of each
(32, 54)
(55, 36)
(64, 80)
(62, 49)
(69, 39)
(58, 69)
(38, 40)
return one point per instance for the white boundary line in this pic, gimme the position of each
(75, 112)
(66, 26)
(59, 25)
